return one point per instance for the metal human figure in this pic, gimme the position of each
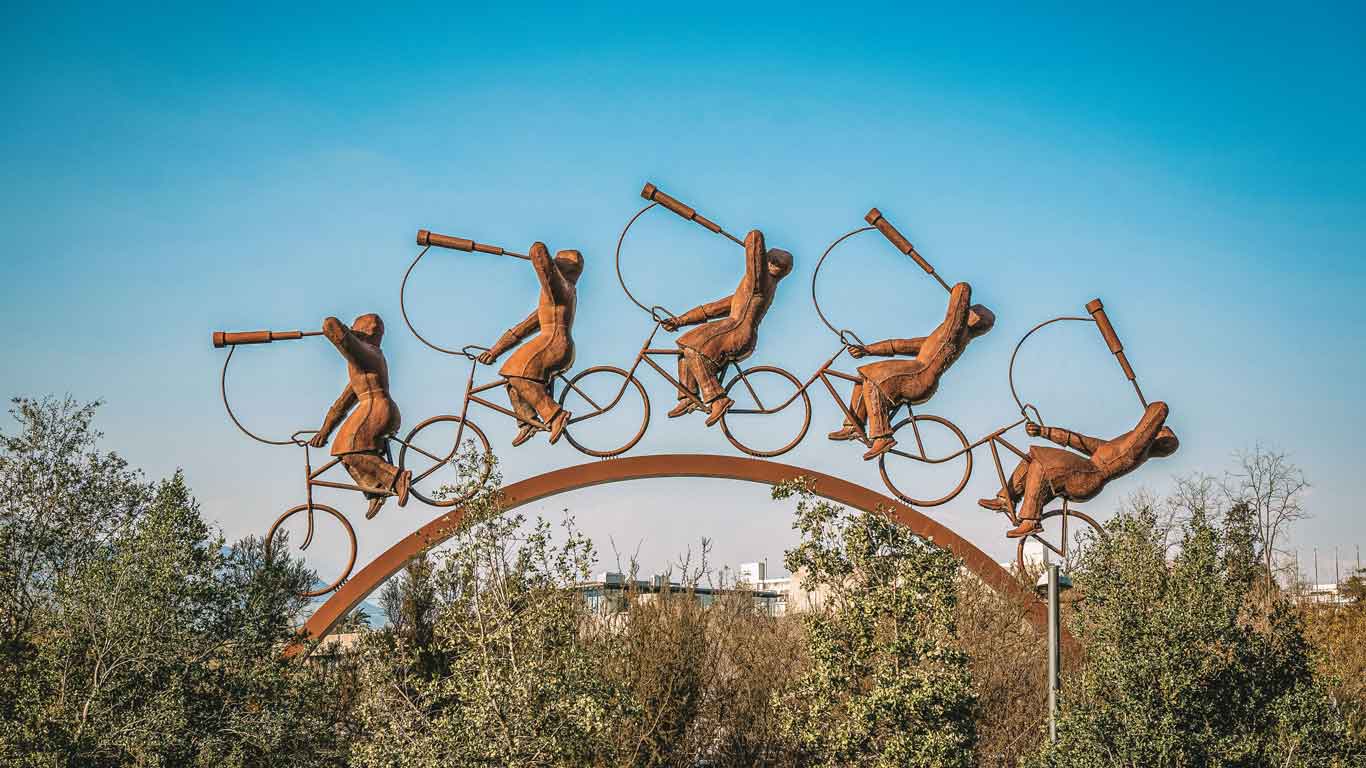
(1051, 473)
(548, 352)
(733, 330)
(362, 441)
(889, 384)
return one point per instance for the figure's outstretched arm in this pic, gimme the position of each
(513, 336)
(1069, 439)
(345, 402)
(343, 339)
(755, 254)
(956, 317)
(700, 314)
(892, 347)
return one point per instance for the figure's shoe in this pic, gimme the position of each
(683, 408)
(995, 504)
(879, 447)
(719, 406)
(1025, 528)
(848, 432)
(557, 425)
(402, 486)
(375, 505)
(524, 434)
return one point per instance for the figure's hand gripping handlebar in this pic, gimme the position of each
(656, 195)
(899, 240)
(1097, 310)
(425, 238)
(224, 339)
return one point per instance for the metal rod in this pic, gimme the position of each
(427, 238)
(1054, 652)
(656, 195)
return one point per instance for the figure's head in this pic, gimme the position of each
(980, 320)
(779, 263)
(570, 264)
(1165, 444)
(369, 327)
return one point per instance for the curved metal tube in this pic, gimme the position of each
(403, 308)
(622, 280)
(223, 390)
(817, 272)
(1010, 373)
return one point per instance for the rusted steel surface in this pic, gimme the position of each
(668, 465)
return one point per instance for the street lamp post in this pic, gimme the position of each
(1051, 584)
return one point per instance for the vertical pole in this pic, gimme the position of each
(1054, 653)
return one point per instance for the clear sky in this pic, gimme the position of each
(172, 172)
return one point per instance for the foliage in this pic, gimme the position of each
(1338, 634)
(887, 684)
(145, 643)
(1183, 667)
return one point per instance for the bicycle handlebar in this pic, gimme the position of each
(224, 339)
(656, 195)
(426, 238)
(899, 240)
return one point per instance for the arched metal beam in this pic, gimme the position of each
(669, 465)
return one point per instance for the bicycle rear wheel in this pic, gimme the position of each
(1071, 533)
(430, 450)
(604, 404)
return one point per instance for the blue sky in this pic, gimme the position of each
(172, 172)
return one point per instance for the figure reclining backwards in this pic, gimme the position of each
(1052, 473)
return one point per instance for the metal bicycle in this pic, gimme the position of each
(424, 450)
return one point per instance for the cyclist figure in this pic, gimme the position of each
(889, 384)
(733, 330)
(362, 441)
(1052, 473)
(548, 352)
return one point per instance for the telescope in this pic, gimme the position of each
(899, 240)
(656, 195)
(1097, 310)
(426, 238)
(224, 339)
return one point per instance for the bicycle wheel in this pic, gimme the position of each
(1071, 533)
(915, 448)
(308, 539)
(430, 451)
(770, 402)
(605, 403)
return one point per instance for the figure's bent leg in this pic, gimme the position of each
(878, 412)
(704, 372)
(369, 469)
(537, 395)
(1037, 493)
(527, 426)
(686, 393)
(853, 428)
(1005, 500)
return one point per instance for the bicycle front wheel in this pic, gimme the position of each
(608, 411)
(308, 539)
(912, 462)
(770, 404)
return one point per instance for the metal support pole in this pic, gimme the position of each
(1054, 651)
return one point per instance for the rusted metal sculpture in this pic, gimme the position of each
(889, 384)
(634, 468)
(1079, 474)
(374, 415)
(366, 435)
(729, 327)
(548, 352)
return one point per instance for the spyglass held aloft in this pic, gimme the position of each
(426, 238)
(229, 339)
